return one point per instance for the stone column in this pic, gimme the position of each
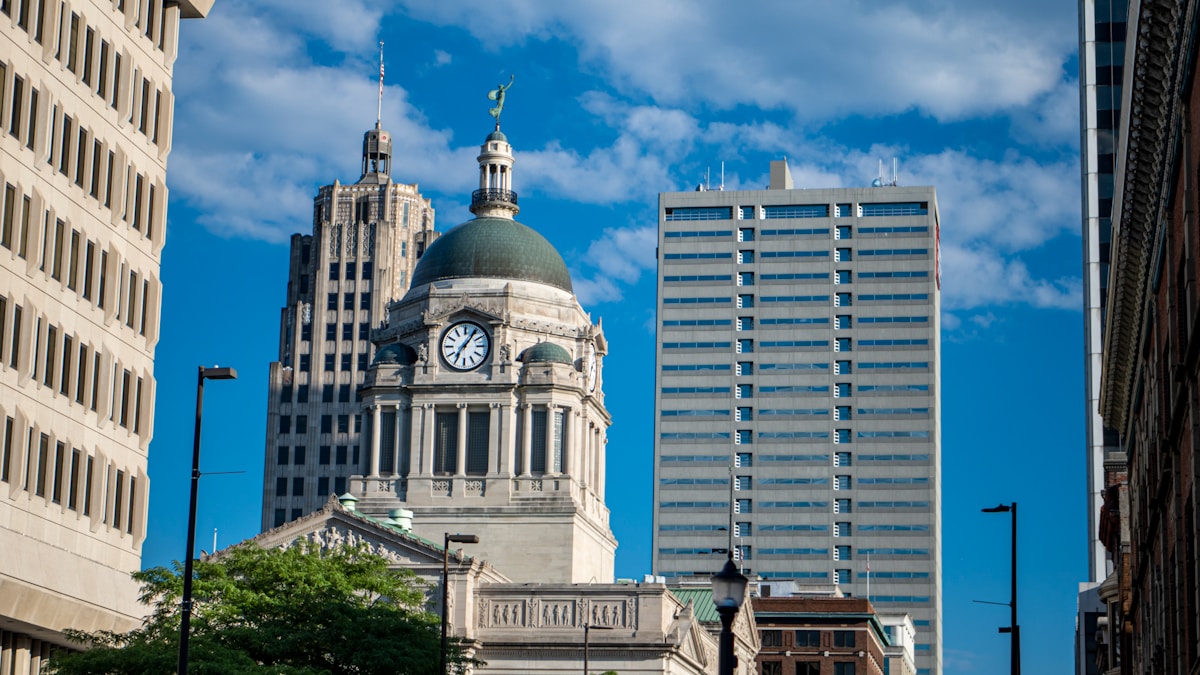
(526, 438)
(429, 420)
(550, 468)
(399, 441)
(497, 452)
(460, 461)
(602, 450)
(376, 425)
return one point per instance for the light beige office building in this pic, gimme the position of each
(85, 131)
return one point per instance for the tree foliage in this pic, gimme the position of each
(296, 611)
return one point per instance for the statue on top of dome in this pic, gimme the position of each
(497, 95)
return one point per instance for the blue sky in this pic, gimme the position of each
(615, 101)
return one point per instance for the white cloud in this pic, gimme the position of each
(819, 60)
(441, 58)
(617, 258)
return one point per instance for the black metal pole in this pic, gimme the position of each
(445, 596)
(1016, 628)
(725, 658)
(185, 620)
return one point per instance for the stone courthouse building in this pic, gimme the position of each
(484, 414)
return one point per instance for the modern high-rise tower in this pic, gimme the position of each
(1101, 59)
(85, 131)
(797, 412)
(365, 243)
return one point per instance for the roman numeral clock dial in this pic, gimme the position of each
(465, 345)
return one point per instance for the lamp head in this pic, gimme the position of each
(218, 373)
(729, 586)
(462, 538)
(1002, 508)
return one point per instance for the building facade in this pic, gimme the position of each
(831, 636)
(1149, 389)
(364, 245)
(1101, 59)
(797, 411)
(85, 131)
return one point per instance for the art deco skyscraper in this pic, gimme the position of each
(85, 131)
(797, 412)
(365, 243)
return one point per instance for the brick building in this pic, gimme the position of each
(1149, 390)
(830, 636)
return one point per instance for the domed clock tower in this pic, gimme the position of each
(484, 406)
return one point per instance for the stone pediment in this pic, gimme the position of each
(335, 525)
(491, 311)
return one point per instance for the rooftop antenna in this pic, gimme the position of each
(895, 171)
(722, 188)
(708, 178)
(878, 182)
(379, 111)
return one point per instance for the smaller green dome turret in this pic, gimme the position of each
(396, 353)
(546, 352)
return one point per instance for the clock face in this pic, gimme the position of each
(591, 368)
(465, 345)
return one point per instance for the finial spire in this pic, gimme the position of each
(379, 112)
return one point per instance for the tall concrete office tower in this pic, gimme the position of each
(365, 243)
(797, 413)
(1101, 59)
(85, 131)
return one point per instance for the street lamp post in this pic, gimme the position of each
(185, 621)
(588, 627)
(457, 539)
(729, 590)
(1014, 629)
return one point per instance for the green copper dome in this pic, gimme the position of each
(546, 352)
(492, 248)
(497, 135)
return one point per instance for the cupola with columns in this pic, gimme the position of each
(485, 403)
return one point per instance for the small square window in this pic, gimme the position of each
(282, 455)
(743, 506)
(347, 359)
(298, 487)
(842, 459)
(348, 301)
(343, 424)
(746, 234)
(843, 232)
(331, 331)
(843, 638)
(300, 452)
(841, 412)
(772, 638)
(341, 454)
(743, 437)
(841, 390)
(842, 506)
(329, 361)
(745, 346)
(301, 424)
(808, 638)
(745, 279)
(841, 552)
(745, 301)
(331, 302)
(281, 487)
(745, 323)
(842, 277)
(743, 459)
(323, 455)
(744, 414)
(745, 257)
(327, 424)
(843, 255)
(842, 300)
(745, 368)
(347, 331)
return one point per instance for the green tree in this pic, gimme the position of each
(296, 611)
